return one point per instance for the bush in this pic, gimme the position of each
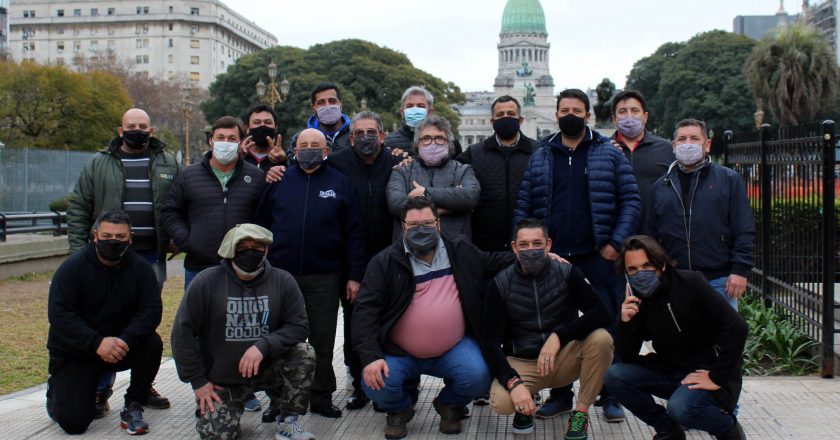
(774, 345)
(60, 205)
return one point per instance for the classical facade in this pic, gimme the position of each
(4, 28)
(195, 39)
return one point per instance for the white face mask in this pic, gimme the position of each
(225, 152)
(689, 154)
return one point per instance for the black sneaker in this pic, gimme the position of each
(155, 401)
(326, 409)
(102, 402)
(357, 400)
(522, 424)
(674, 433)
(270, 415)
(736, 433)
(483, 400)
(131, 419)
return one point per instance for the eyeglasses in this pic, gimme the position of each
(426, 223)
(439, 140)
(369, 132)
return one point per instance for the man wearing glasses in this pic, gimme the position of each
(319, 239)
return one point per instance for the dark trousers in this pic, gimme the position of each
(319, 296)
(71, 387)
(351, 359)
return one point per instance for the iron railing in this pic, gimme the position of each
(32, 222)
(790, 178)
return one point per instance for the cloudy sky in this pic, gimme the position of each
(456, 39)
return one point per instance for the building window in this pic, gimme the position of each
(142, 43)
(77, 12)
(171, 26)
(142, 9)
(59, 61)
(60, 46)
(77, 46)
(171, 59)
(145, 29)
(142, 59)
(60, 13)
(194, 44)
(94, 46)
(94, 12)
(92, 30)
(59, 31)
(75, 31)
(111, 11)
(194, 76)
(171, 43)
(171, 9)
(193, 11)
(29, 46)
(171, 75)
(193, 30)
(28, 13)
(194, 59)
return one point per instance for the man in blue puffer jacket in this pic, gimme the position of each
(583, 189)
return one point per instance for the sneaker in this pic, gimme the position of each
(674, 433)
(131, 419)
(102, 403)
(537, 399)
(482, 401)
(554, 407)
(736, 433)
(395, 423)
(290, 429)
(357, 400)
(613, 411)
(327, 410)
(252, 404)
(270, 415)
(450, 417)
(578, 425)
(522, 424)
(155, 401)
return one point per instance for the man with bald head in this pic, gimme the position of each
(133, 174)
(317, 221)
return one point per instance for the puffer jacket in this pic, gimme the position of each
(613, 194)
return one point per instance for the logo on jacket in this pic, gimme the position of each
(166, 176)
(327, 194)
(247, 179)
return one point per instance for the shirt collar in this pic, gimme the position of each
(513, 145)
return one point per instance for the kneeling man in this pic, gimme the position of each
(535, 337)
(242, 327)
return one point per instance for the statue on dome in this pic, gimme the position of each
(524, 71)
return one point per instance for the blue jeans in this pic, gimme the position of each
(188, 277)
(635, 385)
(462, 368)
(719, 284)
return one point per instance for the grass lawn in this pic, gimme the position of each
(24, 325)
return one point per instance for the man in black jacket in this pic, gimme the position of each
(418, 312)
(698, 343)
(209, 198)
(263, 146)
(531, 311)
(104, 307)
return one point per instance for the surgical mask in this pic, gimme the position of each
(225, 152)
(249, 261)
(434, 154)
(136, 139)
(367, 146)
(630, 126)
(571, 125)
(688, 154)
(643, 283)
(506, 128)
(413, 115)
(261, 134)
(532, 261)
(421, 240)
(111, 250)
(328, 115)
(310, 158)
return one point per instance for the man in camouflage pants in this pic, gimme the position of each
(242, 327)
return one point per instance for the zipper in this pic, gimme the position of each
(508, 210)
(690, 208)
(303, 222)
(674, 318)
(568, 198)
(685, 222)
(539, 315)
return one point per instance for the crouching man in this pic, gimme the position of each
(242, 327)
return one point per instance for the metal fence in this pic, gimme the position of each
(31, 178)
(791, 181)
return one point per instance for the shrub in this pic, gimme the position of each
(60, 205)
(774, 345)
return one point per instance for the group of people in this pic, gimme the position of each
(506, 268)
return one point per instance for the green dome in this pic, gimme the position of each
(523, 17)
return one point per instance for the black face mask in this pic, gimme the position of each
(136, 139)
(111, 250)
(532, 261)
(421, 240)
(261, 134)
(367, 146)
(571, 125)
(249, 260)
(506, 128)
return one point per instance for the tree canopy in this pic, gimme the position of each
(360, 69)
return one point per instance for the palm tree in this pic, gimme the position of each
(795, 72)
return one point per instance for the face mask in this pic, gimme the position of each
(328, 115)
(421, 240)
(630, 126)
(571, 125)
(136, 139)
(261, 134)
(310, 158)
(688, 154)
(532, 260)
(367, 146)
(111, 250)
(414, 115)
(644, 283)
(225, 152)
(249, 260)
(506, 128)
(434, 154)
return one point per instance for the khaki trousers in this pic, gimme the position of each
(587, 360)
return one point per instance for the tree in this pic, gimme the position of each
(360, 69)
(795, 72)
(646, 76)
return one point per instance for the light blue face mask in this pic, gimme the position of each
(413, 115)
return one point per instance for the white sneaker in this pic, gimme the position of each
(290, 429)
(348, 381)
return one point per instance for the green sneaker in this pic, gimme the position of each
(578, 425)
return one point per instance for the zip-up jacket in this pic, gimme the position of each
(715, 233)
(221, 317)
(336, 141)
(101, 187)
(199, 212)
(389, 288)
(650, 161)
(499, 172)
(613, 194)
(692, 327)
(317, 222)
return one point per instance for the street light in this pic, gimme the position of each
(268, 93)
(187, 103)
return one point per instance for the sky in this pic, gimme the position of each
(456, 40)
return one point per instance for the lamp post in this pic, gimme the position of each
(187, 103)
(268, 93)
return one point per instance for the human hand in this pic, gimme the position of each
(206, 395)
(609, 253)
(373, 374)
(557, 258)
(418, 190)
(523, 401)
(246, 145)
(275, 150)
(699, 380)
(399, 152)
(112, 349)
(275, 174)
(249, 364)
(352, 290)
(736, 285)
(546, 361)
(630, 306)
